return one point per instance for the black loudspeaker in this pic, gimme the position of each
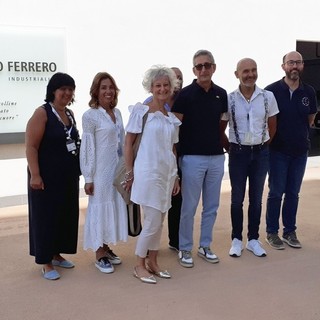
(310, 51)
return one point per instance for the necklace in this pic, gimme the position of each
(248, 98)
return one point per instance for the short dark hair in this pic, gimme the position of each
(58, 80)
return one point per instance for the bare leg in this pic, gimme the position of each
(58, 257)
(152, 262)
(48, 267)
(100, 253)
(141, 269)
(106, 247)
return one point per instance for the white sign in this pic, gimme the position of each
(29, 56)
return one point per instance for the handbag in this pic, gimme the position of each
(133, 209)
(120, 171)
(119, 180)
(134, 219)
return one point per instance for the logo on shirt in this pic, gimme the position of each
(305, 101)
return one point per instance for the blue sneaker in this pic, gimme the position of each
(104, 265)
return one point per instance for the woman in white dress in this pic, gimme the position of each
(101, 149)
(153, 176)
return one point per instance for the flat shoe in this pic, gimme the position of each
(164, 274)
(51, 275)
(150, 279)
(63, 264)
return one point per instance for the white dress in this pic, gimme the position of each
(155, 167)
(101, 148)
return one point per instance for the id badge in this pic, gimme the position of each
(248, 138)
(71, 145)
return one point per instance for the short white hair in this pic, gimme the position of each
(156, 72)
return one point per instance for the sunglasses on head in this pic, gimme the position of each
(206, 65)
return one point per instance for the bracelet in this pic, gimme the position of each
(177, 177)
(128, 179)
(129, 173)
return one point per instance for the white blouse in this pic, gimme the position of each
(155, 167)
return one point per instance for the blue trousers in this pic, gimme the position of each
(247, 163)
(285, 178)
(200, 174)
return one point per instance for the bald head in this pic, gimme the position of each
(293, 55)
(244, 62)
(292, 65)
(247, 73)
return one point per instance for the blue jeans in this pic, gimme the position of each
(285, 178)
(200, 174)
(248, 163)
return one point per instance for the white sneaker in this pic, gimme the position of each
(185, 258)
(206, 254)
(236, 248)
(255, 247)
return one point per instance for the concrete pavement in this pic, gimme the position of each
(284, 285)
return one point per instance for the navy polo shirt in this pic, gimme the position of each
(199, 132)
(292, 135)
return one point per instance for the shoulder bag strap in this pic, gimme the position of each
(139, 136)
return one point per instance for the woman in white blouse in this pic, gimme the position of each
(153, 175)
(101, 149)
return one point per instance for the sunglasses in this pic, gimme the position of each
(206, 65)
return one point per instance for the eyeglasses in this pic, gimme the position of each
(206, 65)
(291, 63)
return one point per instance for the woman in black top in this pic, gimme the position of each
(52, 145)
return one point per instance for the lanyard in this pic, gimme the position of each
(73, 146)
(67, 131)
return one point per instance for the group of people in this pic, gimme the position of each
(180, 159)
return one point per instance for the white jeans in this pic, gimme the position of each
(149, 238)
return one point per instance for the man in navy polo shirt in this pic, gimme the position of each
(289, 150)
(199, 106)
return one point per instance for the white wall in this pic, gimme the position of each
(126, 37)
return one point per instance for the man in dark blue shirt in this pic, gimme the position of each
(199, 106)
(289, 150)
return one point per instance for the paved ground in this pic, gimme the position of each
(284, 285)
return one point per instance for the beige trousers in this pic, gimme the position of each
(149, 238)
